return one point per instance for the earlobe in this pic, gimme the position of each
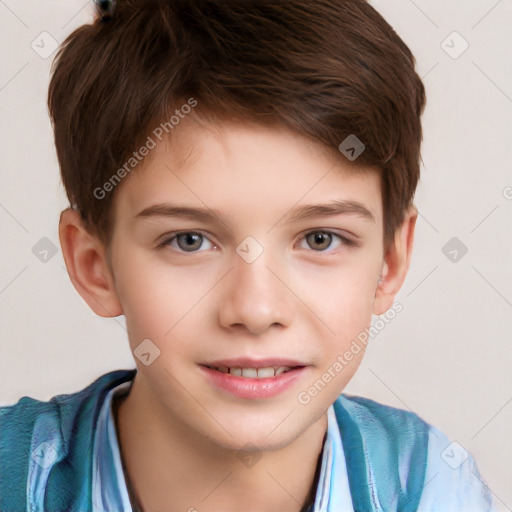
(396, 264)
(87, 265)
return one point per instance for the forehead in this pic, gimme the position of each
(231, 164)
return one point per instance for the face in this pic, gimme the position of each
(258, 282)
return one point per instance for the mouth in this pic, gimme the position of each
(254, 373)
(250, 379)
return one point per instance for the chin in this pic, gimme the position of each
(260, 431)
(254, 442)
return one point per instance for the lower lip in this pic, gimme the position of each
(250, 388)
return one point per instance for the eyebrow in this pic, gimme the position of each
(307, 212)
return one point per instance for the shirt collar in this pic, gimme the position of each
(333, 492)
(110, 492)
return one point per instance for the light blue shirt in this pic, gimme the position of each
(451, 483)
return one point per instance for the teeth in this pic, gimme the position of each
(255, 373)
(249, 372)
(265, 372)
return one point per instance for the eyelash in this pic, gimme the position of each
(347, 242)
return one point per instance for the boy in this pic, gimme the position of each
(241, 177)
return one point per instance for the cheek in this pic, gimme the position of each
(345, 295)
(162, 301)
(153, 298)
(344, 302)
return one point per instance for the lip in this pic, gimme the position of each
(253, 388)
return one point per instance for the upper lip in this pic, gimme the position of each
(246, 362)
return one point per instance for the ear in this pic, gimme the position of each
(87, 265)
(396, 263)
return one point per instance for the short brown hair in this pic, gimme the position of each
(325, 69)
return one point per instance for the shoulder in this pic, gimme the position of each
(24, 413)
(428, 468)
(42, 434)
(453, 481)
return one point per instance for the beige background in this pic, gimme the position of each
(448, 354)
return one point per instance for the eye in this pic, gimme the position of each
(186, 241)
(191, 241)
(321, 240)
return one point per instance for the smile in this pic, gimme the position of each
(253, 383)
(253, 373)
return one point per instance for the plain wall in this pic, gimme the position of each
(447, 356)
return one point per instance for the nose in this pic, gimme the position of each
(256, 297)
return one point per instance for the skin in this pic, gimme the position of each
(301, 298)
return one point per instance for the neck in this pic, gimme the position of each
(166, 465)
